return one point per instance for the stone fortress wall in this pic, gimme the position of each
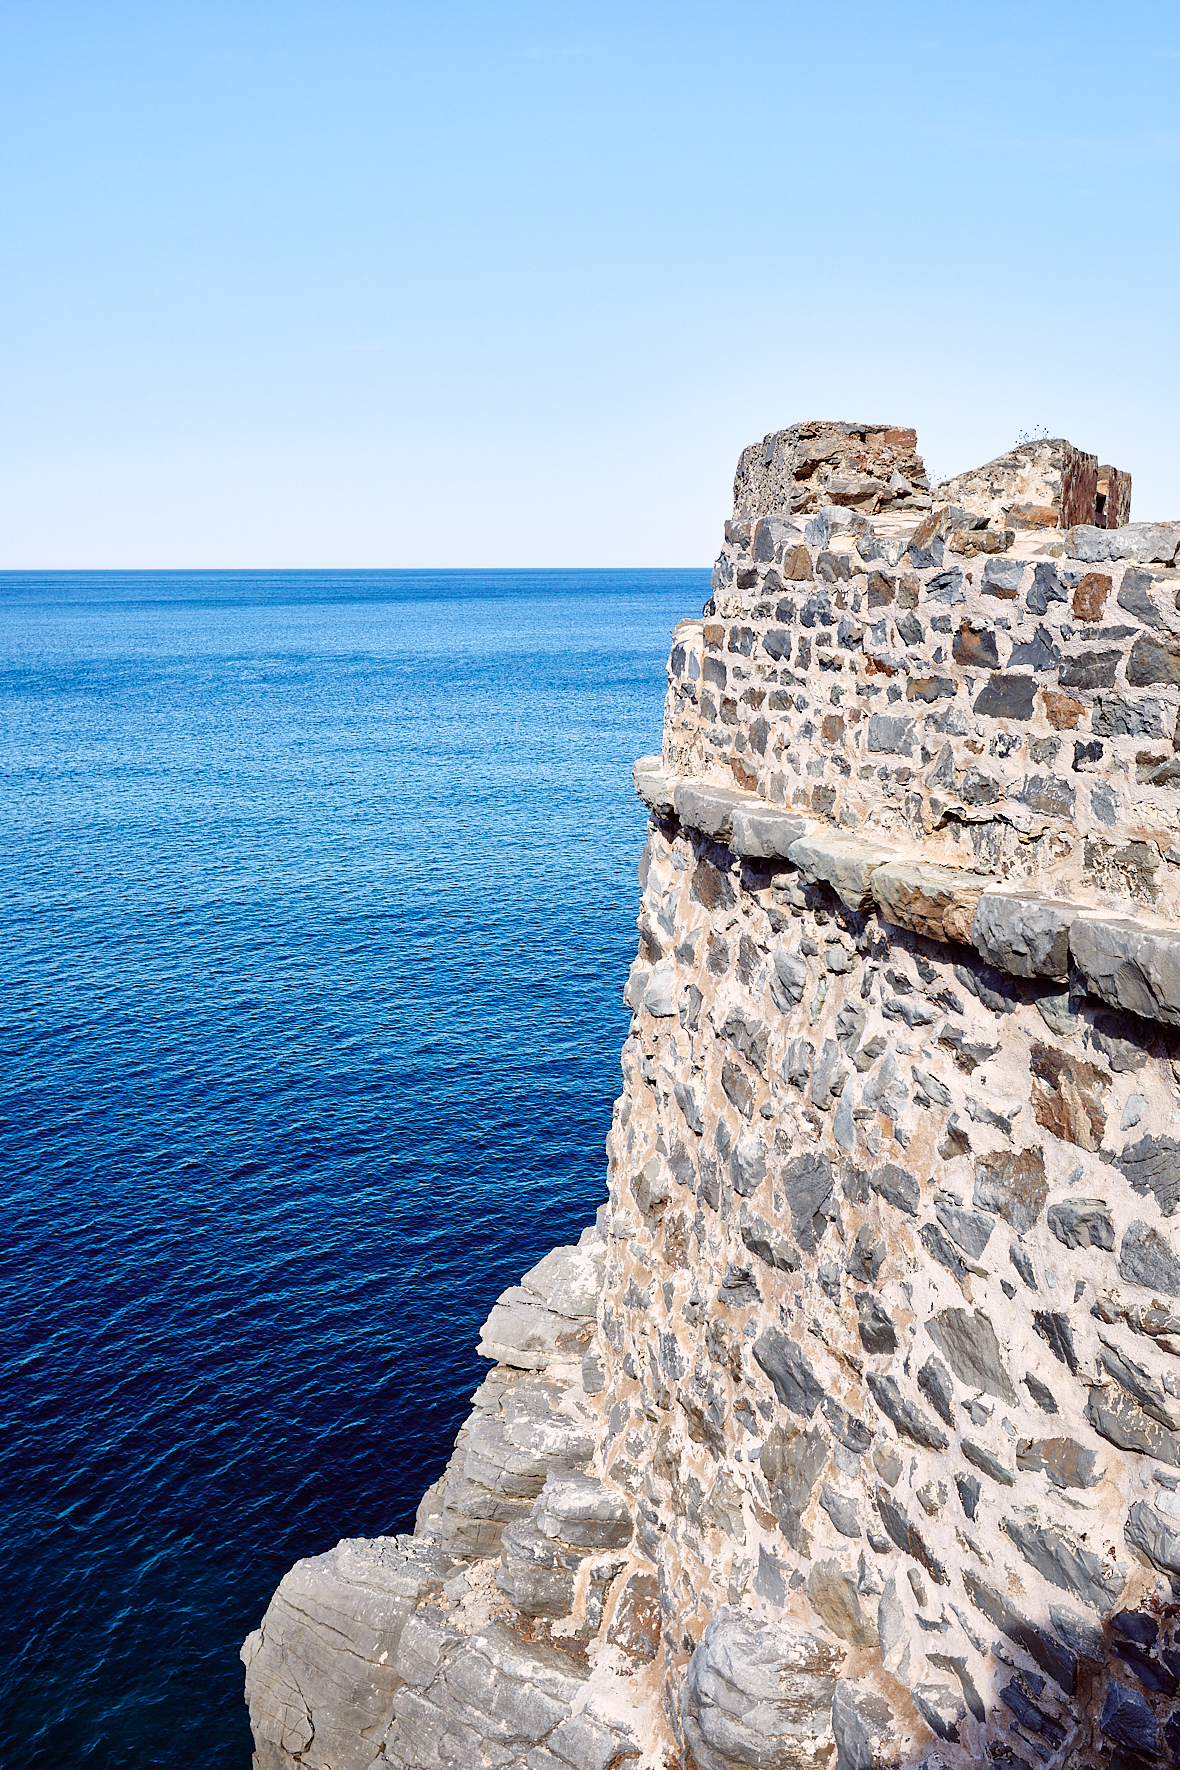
(850, 1433)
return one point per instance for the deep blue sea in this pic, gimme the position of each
(317, 893)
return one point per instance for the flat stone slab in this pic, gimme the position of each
(710, 809)
(1129, 965)
(654, 784)
(939, 902)
(846, 863)
(1024, 933)
(767, 834)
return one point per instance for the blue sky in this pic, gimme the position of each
(506, 284)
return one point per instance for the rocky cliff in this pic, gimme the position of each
(850, 1433)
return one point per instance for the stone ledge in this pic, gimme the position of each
(1125, 963)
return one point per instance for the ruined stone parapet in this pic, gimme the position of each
(1046, 484)
(850, 1436)
(865, 467)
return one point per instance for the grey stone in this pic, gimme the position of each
(808, 1183)
(1122, 1422)
(896, 1186)
(852, 1432)
(988, 1461)
(1139, 1383)
(1090, 669)
(789, 979)
(1080, 1635)
(322, 1665)
(841, 1508)
(969, 1345)
(790, 1370)
(1130, 966)
(971, 1229)
(579, 1510)
(549, 1314)
(1153, 1165)
(942, 1707)
(1023, 933)
(1057, 1333)
(909, 1419)
(831, 1072)
(792, 1461)
(1044, 1397)
(934, 1380)
(708, 808)
(1007, 697)
(768, 1243)
(659, 997)
(1046, 588)
(1012, 1184)
(747, 1164)
(1112, 717)
(892, 733)
(1082, 1223)
(1003, 575)
(1129, 1719)
(1135, 596)
(1154, 1537)
(1051, 1655)
(762, 833)
(654, 785)
(845, 863)
(1065, 1561)
(877, 1332)
(758, 1692)
(863, 1724)
(1147, 1259)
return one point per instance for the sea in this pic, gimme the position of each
(317, 894)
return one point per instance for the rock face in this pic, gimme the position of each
(849, 1435)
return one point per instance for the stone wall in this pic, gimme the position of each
(850, 1434)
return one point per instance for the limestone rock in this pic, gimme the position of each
(320, 1671)
(1024, 933)
(1130, 965)
(758, 1693)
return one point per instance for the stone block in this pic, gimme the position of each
(1023, 933)
(1148, 543)
(846, 863)
(1130, 965)
(762, 833)
(654, 785)
(759, 1693)
(710, 809)
(939, 902)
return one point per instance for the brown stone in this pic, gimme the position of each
(908, 586)
(1089, 599)
(713, 634)
(797, 565)
(1032, 516)
(1063, 1460)
(1012, 1183)
(1061, 710)
(881, 589)
(636, 1625)
(1065, 1096)
(833, 728)
(978, 649)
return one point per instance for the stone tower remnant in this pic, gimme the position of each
(849, 1434)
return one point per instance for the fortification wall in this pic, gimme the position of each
(850, 1434)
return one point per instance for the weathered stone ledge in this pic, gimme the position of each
(1125, 961)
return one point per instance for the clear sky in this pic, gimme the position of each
(506, 284)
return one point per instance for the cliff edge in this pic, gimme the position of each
(849, 1434)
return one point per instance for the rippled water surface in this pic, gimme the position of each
(318, 897)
